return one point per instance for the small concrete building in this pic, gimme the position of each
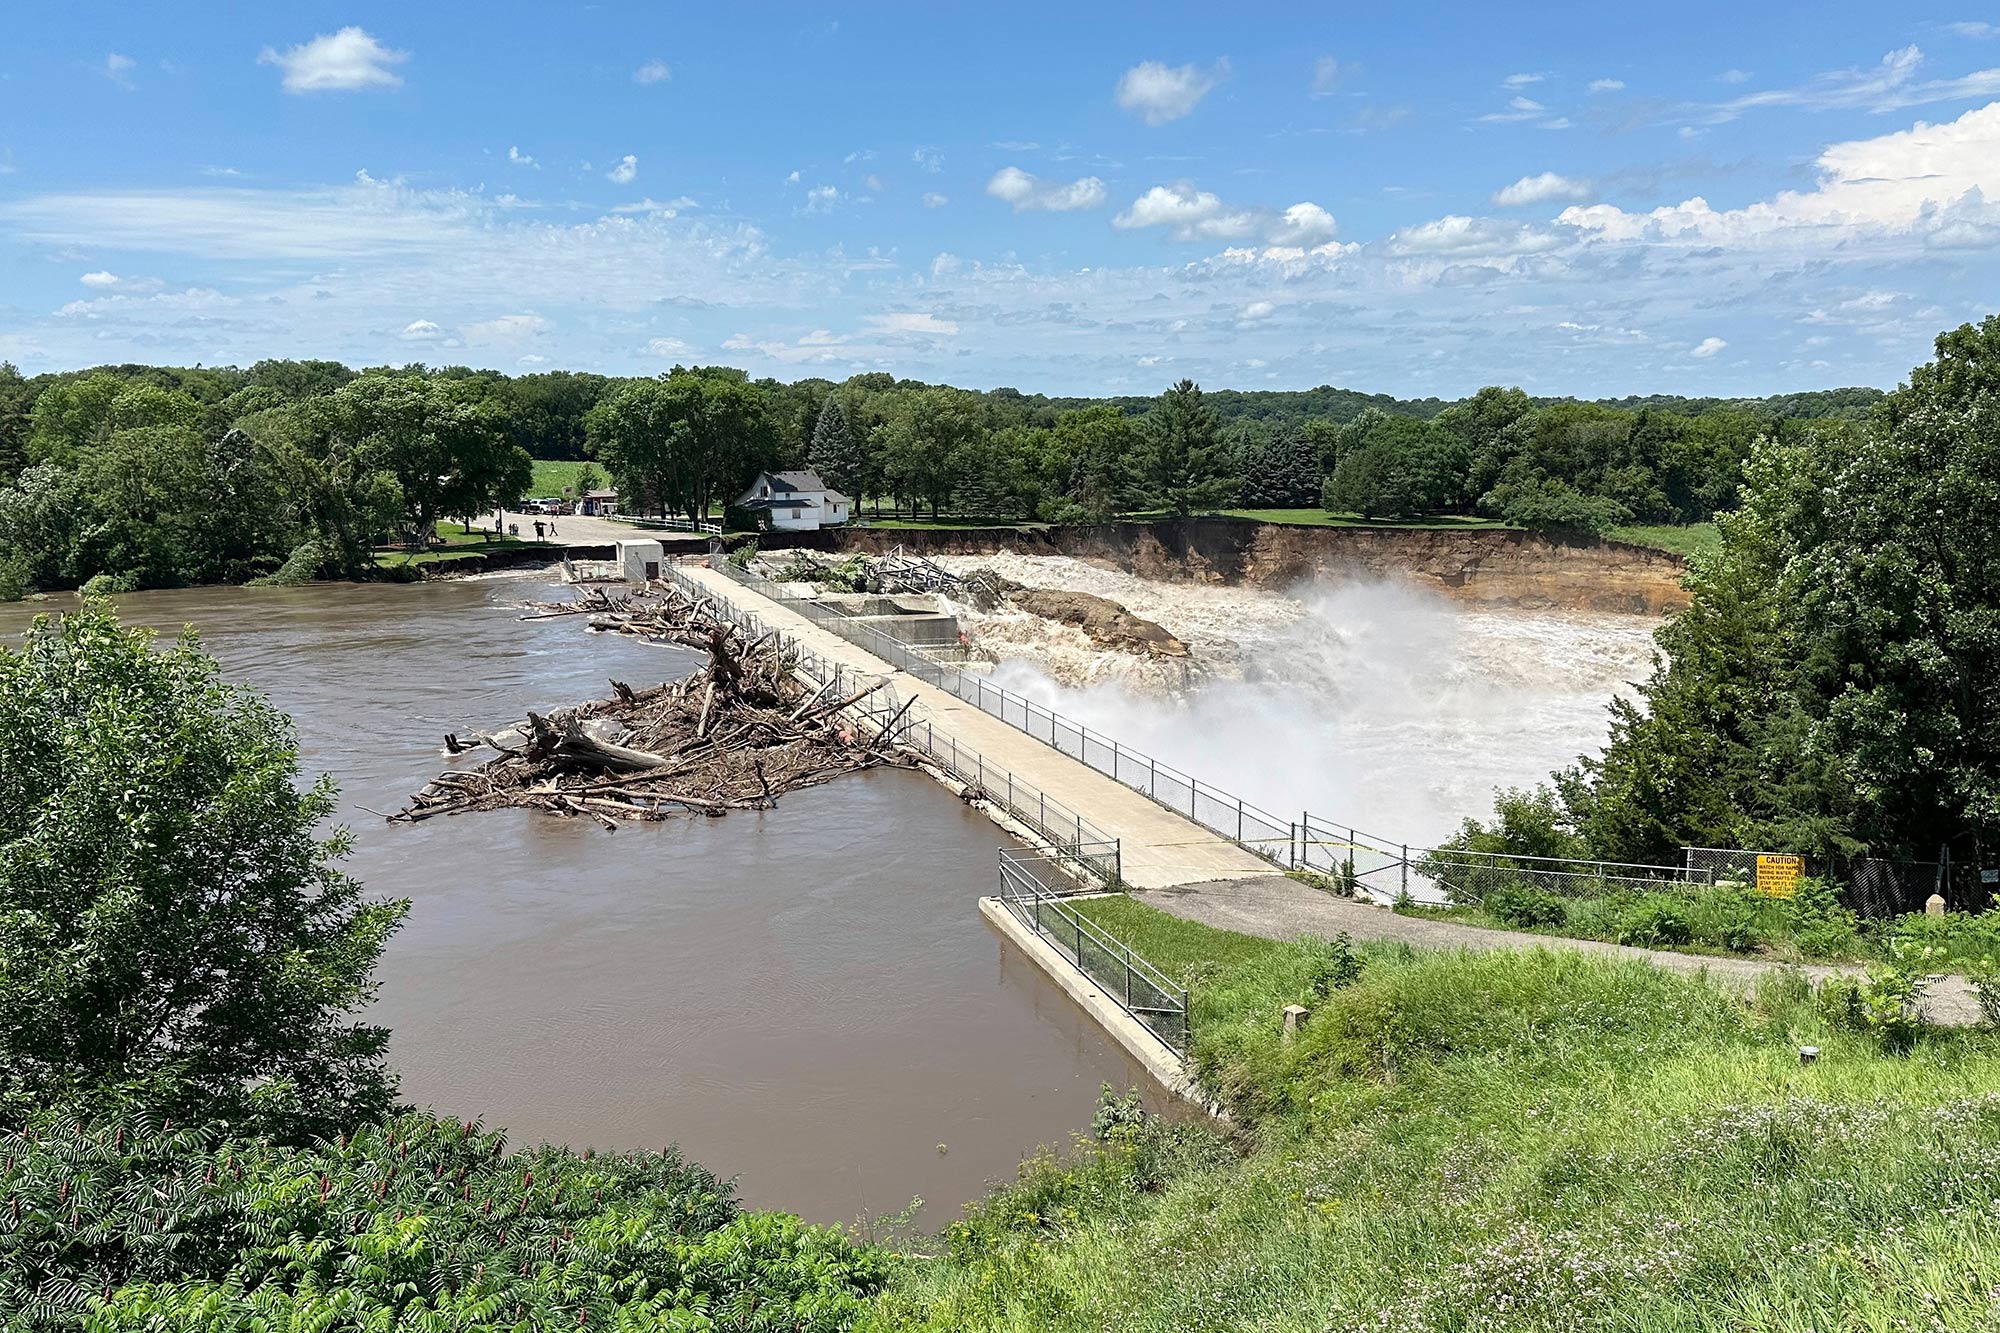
(639, 560)
(796, 501)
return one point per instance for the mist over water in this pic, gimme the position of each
(1375, 703)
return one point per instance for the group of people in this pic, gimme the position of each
(500, 521)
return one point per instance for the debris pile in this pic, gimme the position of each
(736, 735)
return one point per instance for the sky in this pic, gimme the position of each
(1586, 199)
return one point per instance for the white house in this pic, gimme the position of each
(796, 501)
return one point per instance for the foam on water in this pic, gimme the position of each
(1374, 703)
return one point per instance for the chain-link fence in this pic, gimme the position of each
(1872, 887)
(1030, 891)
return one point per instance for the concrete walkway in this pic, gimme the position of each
(1159, 848)
(1278, 908)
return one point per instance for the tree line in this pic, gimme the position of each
(1833, 687)
(291, 470)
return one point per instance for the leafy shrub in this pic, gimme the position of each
(1885, 1005)
(1820, 926)
(1730, 916)
(1656, 921)
(1526, 906)
(1984, 975)
(140, 1225)
(1331, 967)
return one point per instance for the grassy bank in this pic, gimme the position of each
(1690, 540)
(1533, 1141)
(456, 541)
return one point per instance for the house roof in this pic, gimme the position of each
(752, 501)
(803, 480)
(600, 495)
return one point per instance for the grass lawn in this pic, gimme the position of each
(457, 542)
(554, 476)
(1690, 539)
(1518, 1141)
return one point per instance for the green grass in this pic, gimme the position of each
(1505, 1141)
(458, 542)
(555, 476)
(1685, 540)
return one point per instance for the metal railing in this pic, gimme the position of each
(1063, 829)
(1035, 898)
(1257, 830)
(1355, 861)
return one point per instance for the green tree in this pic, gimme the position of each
(685, 441)
(1185, 465)
(443, 441)
(925, 441)
(834, 453)
(1102, 444)
(1389, 465)
(169, 913)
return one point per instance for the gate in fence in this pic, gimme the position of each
(1036, 891)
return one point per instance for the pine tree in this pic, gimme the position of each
(833, 452)
(1187, 463)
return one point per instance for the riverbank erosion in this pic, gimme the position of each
(1489, 566)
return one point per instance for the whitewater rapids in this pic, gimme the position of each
(1372, 703)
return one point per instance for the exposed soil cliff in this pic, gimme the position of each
(1482, 565)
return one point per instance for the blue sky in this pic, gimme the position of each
(1590, 199)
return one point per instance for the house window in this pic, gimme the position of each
(798, 513)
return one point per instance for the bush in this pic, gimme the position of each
(1656, 921)
(1820, 926)
(131, 1225)
(1730, 916)
(1526, 906)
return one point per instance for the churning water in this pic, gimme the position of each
(1372, 703)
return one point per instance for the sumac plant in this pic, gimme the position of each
(414, 1223)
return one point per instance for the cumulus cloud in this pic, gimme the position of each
(1540, 189)
(343, 61)
(100, 279)
(520, 159)
(928, 159)
(1466, 237)
(667, 347)
(653, 71)
(1520, 80)
(1191, 214)
(625, 172)
(822, 198)
(1257, 310)
(932, 199)
(421, 331)
(1936, 179)
(1026, 191)
(1157, 92)
(1606, 86)
(506, 328)
(1708, 347)
(118, 69)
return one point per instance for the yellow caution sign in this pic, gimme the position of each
(1778, 875)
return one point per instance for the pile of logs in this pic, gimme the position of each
(736, 735)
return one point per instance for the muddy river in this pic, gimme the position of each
(805, 998)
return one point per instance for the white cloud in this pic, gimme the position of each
(821, 199)
(1191, 214)
(912, 323)
(1889, 85)
(1975, 29)
(101, 279)
(1606, 86)
(928, 159)
(666, 207)
(1257, 310)
(1526, 110)
(519, 158)
(506, 329)
(1026, 191)
(1520, 80)
(653, 71)
(1733, 76)
(1158, 93)
(1708, 347)
(1466, 237)
(343, 61)
(1940, 180)
(667, 347)
(792, 179)
(932, 199)
(872, 182)
(1540, 189)
(1329, 74)
(625, 172)
(420, 331)
(119, 69)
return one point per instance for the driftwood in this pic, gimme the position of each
(736, 735)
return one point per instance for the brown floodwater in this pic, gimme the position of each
(805, 998)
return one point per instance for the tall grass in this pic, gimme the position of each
(1512, 1140)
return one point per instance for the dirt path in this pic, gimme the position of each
(1278, 908)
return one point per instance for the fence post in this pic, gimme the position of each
(1406, 869)
(1152, 778)
(1128, 984)
(1239, 819)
